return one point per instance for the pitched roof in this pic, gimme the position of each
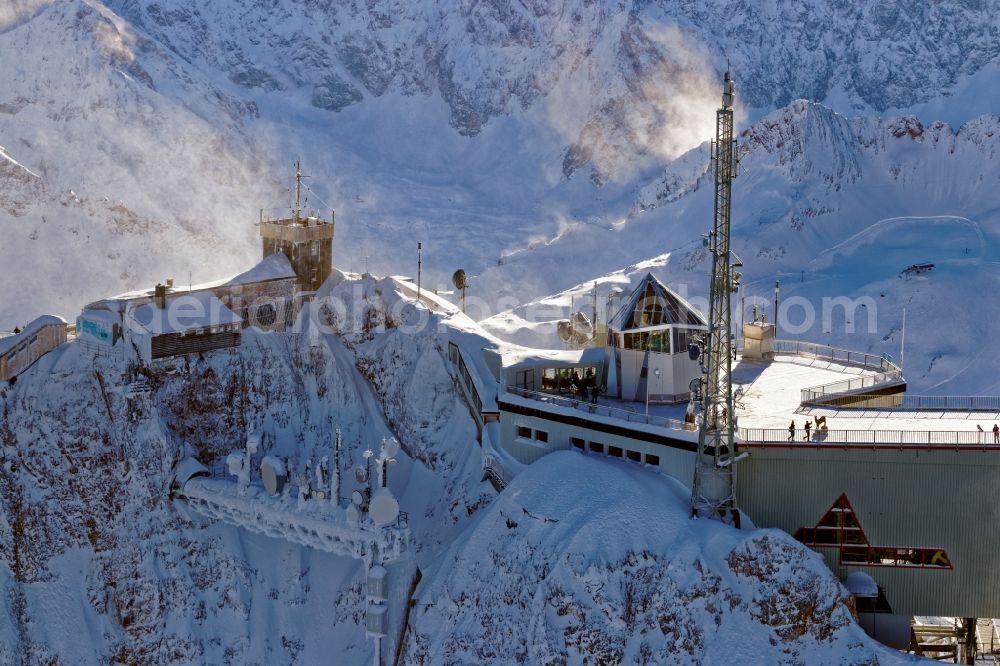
(652, 304)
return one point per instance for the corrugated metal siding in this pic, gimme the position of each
(912, 498)
(175, 344)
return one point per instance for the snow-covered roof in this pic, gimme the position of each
(552, 358)
(10, 341)
(652, 304)
(101, 314)
(274, 267)
(184, 312)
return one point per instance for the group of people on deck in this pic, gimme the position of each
(586, 388)
(808, 428)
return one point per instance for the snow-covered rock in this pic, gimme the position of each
(585, 560)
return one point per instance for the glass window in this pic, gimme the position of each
(541, 436)
(652, 460)
(524, 432)
(615, 451)
(577, 442)
(597, 447)
(634, 456)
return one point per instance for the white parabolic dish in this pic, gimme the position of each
(383, 509)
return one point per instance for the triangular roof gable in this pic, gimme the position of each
(652, 304)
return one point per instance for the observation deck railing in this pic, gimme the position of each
(602, 410)
(916, 403)
(886, 372)
(902, 439)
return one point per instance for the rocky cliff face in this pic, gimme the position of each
(589, 561)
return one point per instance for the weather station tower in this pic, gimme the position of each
(714, 489)
(307, 241)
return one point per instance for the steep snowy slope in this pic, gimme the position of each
(593, 561)
(98, 565)
(130, 163)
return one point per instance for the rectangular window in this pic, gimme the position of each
(652, 460)
(634, 456)
(615, 451)
(577, 442)
(541, 436)
(597, 447)
(524, 432)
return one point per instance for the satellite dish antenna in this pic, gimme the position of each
(695, 384)
(565, 330)
(272, 473)
(358, 498)
(391, 448)
(384, 509)
(361, 475)
(461, 282)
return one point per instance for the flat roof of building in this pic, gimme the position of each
(185, 312)
(273, 267)
(772, 398)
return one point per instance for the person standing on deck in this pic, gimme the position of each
(996, 433)
(808, 426)
(791, 432)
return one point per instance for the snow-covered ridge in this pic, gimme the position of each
(588, 561)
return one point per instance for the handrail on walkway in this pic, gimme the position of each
(867, 438)
(887, 372)
(602, 410)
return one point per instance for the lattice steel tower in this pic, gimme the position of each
(714, 488)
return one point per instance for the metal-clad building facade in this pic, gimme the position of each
(905, 498)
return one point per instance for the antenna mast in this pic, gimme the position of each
(298, 189)
(714, 487)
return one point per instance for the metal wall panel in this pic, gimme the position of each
(903, 498)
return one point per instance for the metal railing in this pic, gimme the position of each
(916, 403)
(887, 372)
(602, 410)
(826, 391)
(836, 354)
(866, 438)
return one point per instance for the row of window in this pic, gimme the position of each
(668, 341)
(22, 347)
(524, 432)
(615, 451)
(534, 434)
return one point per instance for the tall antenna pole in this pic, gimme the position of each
(298, 189)
(713, 494)
(777, 290)
(420, 247)
(902, 343)
(336, 469)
